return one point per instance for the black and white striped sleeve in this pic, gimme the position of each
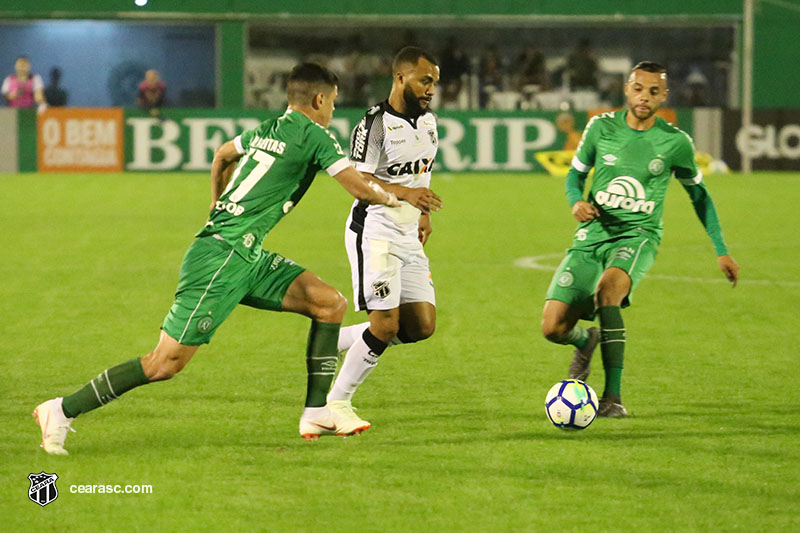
(366, 142)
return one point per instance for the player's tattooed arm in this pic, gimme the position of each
(222, 167)
(422, 198)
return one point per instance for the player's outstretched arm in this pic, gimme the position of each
(422, 198)
(362, 189)
(704, 208)
(221, 169)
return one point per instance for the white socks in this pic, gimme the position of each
(349, 334)
(361, 358)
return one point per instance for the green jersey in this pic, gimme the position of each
(632, 172)
(281, 158)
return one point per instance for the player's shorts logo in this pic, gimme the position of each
(565, 279)
(656, 166)
(625, 192)
(624, 253)
(381, 289)
(204, 324)
(43, 488)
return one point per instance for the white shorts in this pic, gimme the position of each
(387, 274)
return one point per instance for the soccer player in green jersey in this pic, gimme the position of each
(274, 164)
(634, 154)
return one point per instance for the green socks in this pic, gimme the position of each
(108, 385)
(578, 336)
(321, 360)
(612, 346)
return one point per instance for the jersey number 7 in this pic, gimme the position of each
(264, 160)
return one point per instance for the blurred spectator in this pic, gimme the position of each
(454, 65)
(565, 123)
(491, 74)
(695, 92)
(612, 90)
(409, 38)
(582, 67)
(529, 69)
(23, 88)
(54, 94)
(152, 92)
(364, 66)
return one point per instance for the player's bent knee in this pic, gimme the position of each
(328, 305)
(553, 330)
(385, 330)
(421, 332)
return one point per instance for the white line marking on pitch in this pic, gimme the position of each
(534, 262)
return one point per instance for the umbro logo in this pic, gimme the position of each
(610, 160)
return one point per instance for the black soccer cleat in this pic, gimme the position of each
(608, 409)
(579, 368)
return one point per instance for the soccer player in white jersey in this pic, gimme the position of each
(395, 144)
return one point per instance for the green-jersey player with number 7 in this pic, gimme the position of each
(635, 154)
(272, 167)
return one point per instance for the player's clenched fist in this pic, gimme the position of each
(584, 211)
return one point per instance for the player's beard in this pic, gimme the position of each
(413, 108)
(650, 112)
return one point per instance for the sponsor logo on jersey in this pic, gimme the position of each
(625, 192)
(565, 279)
(381, 289)
(360, 140)
(231, 207)
(411, 167)
(393, 128)
(610, 160)
(397, 141)
(656, 166)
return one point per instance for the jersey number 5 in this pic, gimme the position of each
(264, 160)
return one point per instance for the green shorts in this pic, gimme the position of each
(214, 279)
(576, 277)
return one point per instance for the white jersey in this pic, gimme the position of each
(398, 150)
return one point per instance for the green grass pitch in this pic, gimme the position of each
(460, 440)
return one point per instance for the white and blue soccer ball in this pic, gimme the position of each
(571, 404)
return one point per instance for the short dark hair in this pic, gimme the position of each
(650, 66)
(411, 54)
(307, 80)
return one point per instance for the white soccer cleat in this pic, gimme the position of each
(315, 422)
(50, 417)
(346, 420)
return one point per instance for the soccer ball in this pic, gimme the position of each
(571, 404)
